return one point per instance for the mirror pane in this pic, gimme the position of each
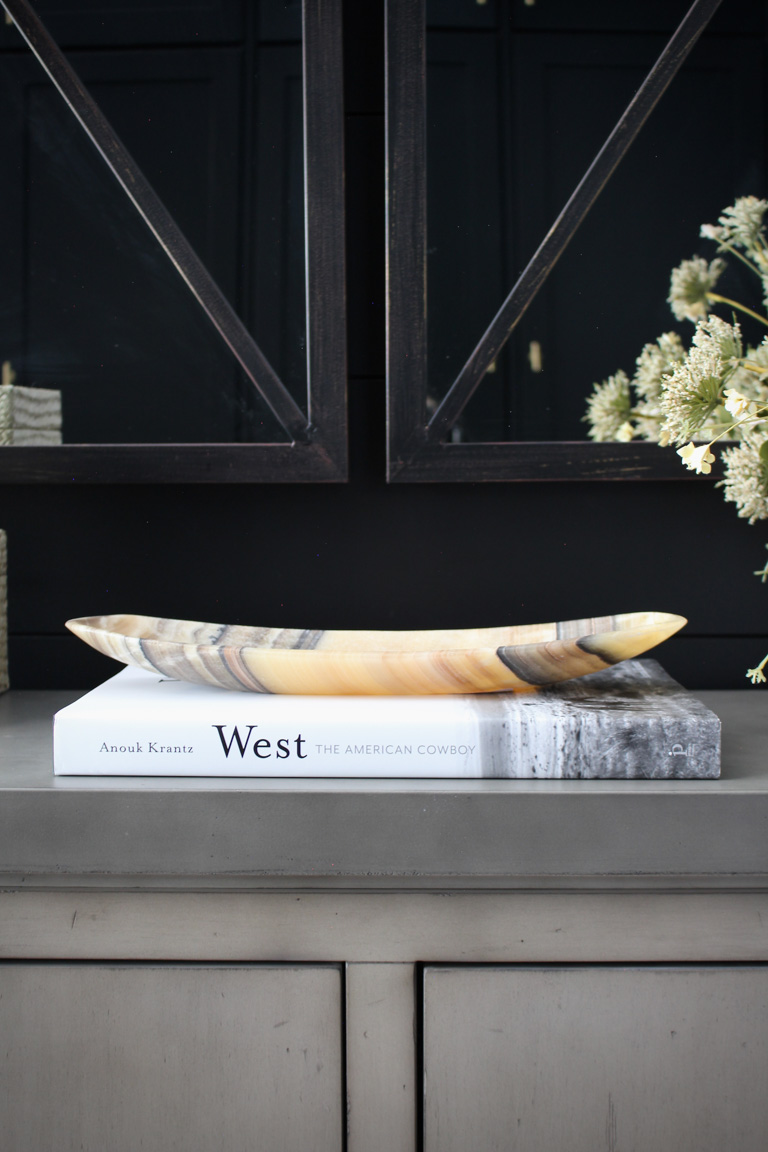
(520, 97)
(91, 305)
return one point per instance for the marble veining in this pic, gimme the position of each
(628, 722)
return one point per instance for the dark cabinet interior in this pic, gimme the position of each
(214, 120)
(519, 99)
(517, 108)
(501, 171)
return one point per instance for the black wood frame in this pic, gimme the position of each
(416, 445)
(317, 450)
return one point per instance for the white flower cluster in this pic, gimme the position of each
(609, 409)
(714, 390)
(653, 365)
(691, 286)
(692, 396)
(740, 225)
(740, 231)
(746, 474)
(610, 412)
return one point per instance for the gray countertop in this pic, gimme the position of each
(371, 831)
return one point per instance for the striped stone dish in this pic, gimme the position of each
(311, 662)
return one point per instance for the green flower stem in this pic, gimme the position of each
(736, 424)
(725, 246)
(717, 299)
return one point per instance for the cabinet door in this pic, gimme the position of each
(92, 305)
(99, 1057)
(580, 1058)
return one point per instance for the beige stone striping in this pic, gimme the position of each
(454, 661)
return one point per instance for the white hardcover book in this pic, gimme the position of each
(631, 721)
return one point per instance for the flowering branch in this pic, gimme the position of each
(713, 297)
(713, 390)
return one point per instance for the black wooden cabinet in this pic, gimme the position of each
(606, 297)
(94, 307)
(102, 24)
(519, 99)
(233, 113)
(97, 310)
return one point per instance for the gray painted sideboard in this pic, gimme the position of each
(383, 965)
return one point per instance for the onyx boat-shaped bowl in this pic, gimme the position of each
(337, 663)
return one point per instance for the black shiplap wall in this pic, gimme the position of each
(368, 554)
